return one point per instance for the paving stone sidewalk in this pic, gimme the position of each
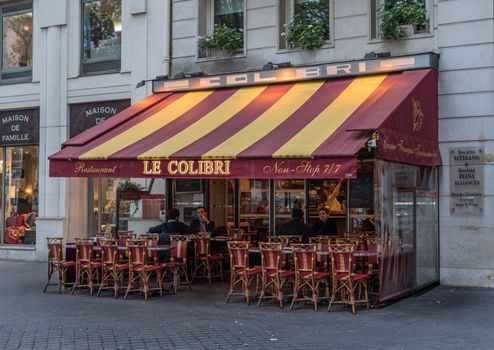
(443, 318)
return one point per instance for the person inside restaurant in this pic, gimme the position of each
(296, 226)
(324, 227)
(171, 226)
(201, 223)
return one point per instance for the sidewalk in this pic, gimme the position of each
(443, 318)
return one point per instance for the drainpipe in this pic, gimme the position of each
(167, 36)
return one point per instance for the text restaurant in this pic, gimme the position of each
(355, 143)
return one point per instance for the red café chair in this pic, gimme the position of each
(140, 271)
(322, 243)
(240, 272)
(307, 278)
(57, 263)
(112, 269)
(273, 277)
(204, 260)
(178, 260)
(86, 268)
(345, 280)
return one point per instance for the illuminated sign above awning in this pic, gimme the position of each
(323, 71)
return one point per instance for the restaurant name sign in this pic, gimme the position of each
(353, 68)
(19, 127)
(466, 180)
(209, 168)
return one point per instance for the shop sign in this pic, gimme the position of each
(466, 180)
(86, 115)
(19, 127)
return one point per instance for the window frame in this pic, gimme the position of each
(374, 24)
(288, 15)
(99, 66)
(207, 20)
(21, 74)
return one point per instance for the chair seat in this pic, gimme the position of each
(173, 264)
(210, 257)
(252, 271)
(68, 263)
(283, 273)
(355, 276)
(92, 264)
(317, 275)
(120, 267)
(147, 268)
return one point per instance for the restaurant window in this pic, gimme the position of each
(103, 204)
(332, 195)
(288, 195)
(221, 13)
(306, 12)
(101, 35)
(188, 194)
(376, 5)
(17, 41)
(254, 205)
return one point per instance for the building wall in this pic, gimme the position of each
(462, 34)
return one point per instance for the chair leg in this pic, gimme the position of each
(296, 288)
(49, 277)
(352, 297)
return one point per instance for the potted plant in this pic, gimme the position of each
(309, 27)
(129, 190)
(223, 38)
(399, 18)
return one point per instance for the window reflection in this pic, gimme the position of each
(102, 29)
(17, 40)
(229, 13)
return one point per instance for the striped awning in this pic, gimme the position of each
(296, 130)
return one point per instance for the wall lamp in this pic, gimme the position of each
(373, 55)
(158, 78)
(271, 65)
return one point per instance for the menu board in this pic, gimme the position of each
(187, 186)
(362, 190)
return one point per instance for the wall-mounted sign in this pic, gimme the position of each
(19, 127)
(324, 71)
(86, 115)
(466, 180)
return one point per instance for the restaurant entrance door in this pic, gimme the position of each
(221, 203)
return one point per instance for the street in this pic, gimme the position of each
(443, 318)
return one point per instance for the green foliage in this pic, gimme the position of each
(309, 27)
(129, 186)
(226, 38)
(394, 14)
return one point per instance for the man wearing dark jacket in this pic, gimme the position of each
(323, 226)
(296, 226)
(201, 223)
(171, 226)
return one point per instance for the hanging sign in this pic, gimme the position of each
(19, 127)
(466, 180)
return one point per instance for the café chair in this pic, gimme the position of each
(86, 268)
(112, 269)
(307, 277)
(345, 281)
(178, 260)
(140, 271)
(241, 274)
(278, 239)
(123, 236)
(57, 263)
(273, 277)
(204, 260)
(322, 243)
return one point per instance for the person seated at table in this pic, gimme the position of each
(201, 223)
(171, 226)
(296, 226)
(323, 226)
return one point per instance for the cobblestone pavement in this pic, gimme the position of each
(443, 318)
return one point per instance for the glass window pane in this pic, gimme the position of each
(311, 10)
(21, 194)
(254, 205)
(288, 195)
(102, 29)
(229, 13)
(17, 41)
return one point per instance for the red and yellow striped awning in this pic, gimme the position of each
(296, 130)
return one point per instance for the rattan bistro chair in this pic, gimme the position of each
(86, 269)
(140, 271)
(57, 263)
(178, 260)
(111, 267)
(204, 260)
(240, 273)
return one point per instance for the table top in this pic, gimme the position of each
(124, 248)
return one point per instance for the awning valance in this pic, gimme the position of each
(297, 130)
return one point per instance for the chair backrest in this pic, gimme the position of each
(180, 244)
(123, 236)
(235, 234)
(84, 251)
(292, 239)
(55, 249)
(138, 254)
(239, 254)
(342, 260)
(148, 236)
(109, 252)
(320, 239)
(202, 244)
(271, 256)
(305, 257)
(277, 239)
